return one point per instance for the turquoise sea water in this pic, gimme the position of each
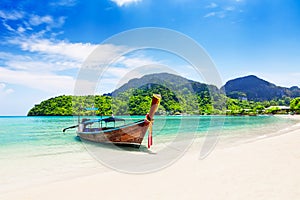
(38, 132)
(43, 135)
(35, 148)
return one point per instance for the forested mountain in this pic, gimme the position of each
(256, 89)
(170, 81)
(246, 95)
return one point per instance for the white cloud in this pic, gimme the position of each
(9, 91)
(212, 5)
(67, 3)
(46, 82)
(36, 20)
(104, 54)
(219, 14)
(8, 27)
(41, 63)
(59, 22)
(211, 14)
(27, 21)
(4, 90)
(229, 8)
(77, 51)
(44, 62)
(21, 29)
(125, 2)
(50, 66)
(11, 15)
(125, 65)
(133, 62)
(223, 9)
(27, 26)
(37, 73)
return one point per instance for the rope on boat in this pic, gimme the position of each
(150, 122)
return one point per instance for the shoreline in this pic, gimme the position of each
(264, 168)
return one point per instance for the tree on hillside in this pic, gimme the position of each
(295, 105)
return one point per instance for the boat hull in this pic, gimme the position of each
(131, 134)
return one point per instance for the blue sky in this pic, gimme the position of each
(44, 43)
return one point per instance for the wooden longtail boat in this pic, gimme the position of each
(128, 134)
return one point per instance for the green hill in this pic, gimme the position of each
(72, 105)
(256, 89)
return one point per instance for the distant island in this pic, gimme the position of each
(247, 95)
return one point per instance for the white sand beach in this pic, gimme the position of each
(266, 168)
